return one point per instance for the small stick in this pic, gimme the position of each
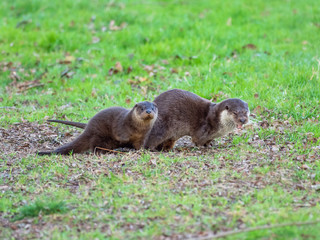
(109, 150)
(9, 107)
(263, 227)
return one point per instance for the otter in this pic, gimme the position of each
(112, 128)
(182, 113)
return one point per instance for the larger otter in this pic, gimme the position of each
(183, 113)
(112, 128)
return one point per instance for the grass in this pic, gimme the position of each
(266, 53)
(39, 207)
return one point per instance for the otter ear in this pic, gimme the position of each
(227, 107)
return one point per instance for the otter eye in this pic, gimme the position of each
(227, 107)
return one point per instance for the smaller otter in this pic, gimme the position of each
(112, 128)
(182, 113)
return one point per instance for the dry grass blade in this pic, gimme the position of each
(109, 150)
(264, 227)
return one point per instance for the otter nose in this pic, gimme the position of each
(148, 111)
(243, 120)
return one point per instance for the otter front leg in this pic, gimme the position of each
(201, 142)
(201, 137)
(138, 144)
(155, 140)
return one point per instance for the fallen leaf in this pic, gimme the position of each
(173, 70)
(229, 21)
(114, 27)
(257, 110)
(129, 69)
(94, 93)
(249, 46)
(264, 124)
(118, 67)
(95, 40)
(144, 90)
(148, 68)
(112, 71)
(14, 76)
(227, 73)
(301, 158)
(67, 60)
(316, 187)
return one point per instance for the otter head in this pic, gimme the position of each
(234, 113)
(146, 111)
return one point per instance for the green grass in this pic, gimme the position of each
(264, 175)
(39, 207)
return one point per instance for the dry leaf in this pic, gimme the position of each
(227, 73)
(129, 69)
(95, 40)
(114, 27)
(249, 46)
(118, 67)
(229, 21)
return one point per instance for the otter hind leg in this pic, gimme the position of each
(167, 145)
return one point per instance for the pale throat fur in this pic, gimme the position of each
(142, 122)
(227, 123)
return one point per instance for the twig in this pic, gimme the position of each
(109, 150)
(234, 232)
(31, 86)
(9, 107)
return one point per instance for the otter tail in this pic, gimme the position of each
(75, 124)
(80, 144)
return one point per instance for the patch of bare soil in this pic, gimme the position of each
(22, 139)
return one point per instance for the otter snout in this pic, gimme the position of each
(148, 111)
(243, 120)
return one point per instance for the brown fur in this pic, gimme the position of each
(183, 113)
(112, 128)
(75, 124)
